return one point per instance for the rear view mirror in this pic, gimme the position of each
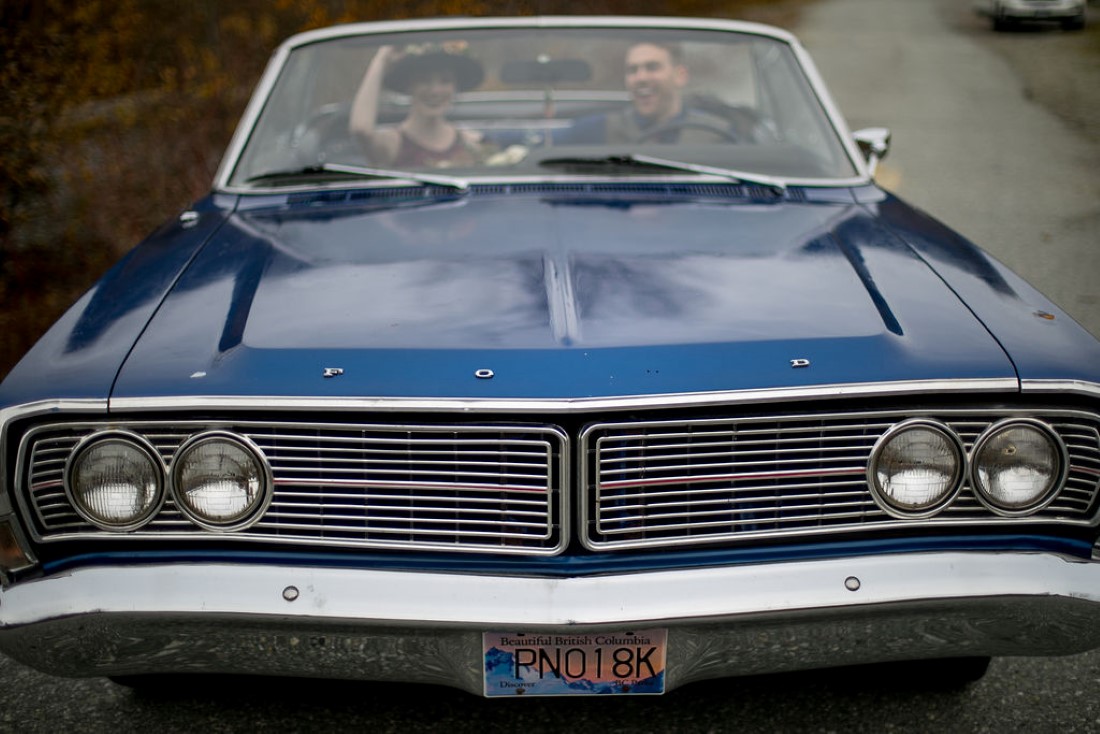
(544, 71)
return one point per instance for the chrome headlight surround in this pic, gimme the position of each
(141, 451)
(246, 480)
(980, 462)
(955, 471)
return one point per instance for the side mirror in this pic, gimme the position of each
(874, 143)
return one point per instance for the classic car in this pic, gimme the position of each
(1007, 13)
(550, 356)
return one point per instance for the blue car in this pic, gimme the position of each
(550, 356)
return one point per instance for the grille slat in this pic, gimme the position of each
(432, 485)
(705, 471)
(404, 444)
(320, 472)
(376, 510)
(423, 534)
(396, 515)
(287, 498)
(746, 525)
(648, 501)
(740, 489)
(700, 457)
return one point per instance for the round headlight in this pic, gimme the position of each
(115, 480)
(916, 468)
(1017, 465)
(220, 481)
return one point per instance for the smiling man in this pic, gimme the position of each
(655, 76)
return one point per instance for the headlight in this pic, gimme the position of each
(220, 481)
(916, 468)
(115, 480)
(1017, 465)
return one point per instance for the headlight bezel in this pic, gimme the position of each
(243, 520)
(958, 479)
(1060, 452)
(133, 440)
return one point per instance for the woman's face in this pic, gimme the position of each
(432, 92)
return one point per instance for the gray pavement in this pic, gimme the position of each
(970, 143)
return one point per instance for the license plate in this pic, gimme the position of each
(551, 664)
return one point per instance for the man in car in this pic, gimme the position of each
(655, 77)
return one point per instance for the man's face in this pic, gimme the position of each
(654, 81)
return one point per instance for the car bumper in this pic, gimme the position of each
(427, 627)
(1053, 10)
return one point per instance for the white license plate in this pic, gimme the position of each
(553, 664)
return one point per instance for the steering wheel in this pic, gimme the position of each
(323, 136)
(726, 135)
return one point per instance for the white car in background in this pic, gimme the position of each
(1006, 13)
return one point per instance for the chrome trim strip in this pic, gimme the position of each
(41, 407)
(565, 319)
(517, 602)
(543, 21)
(1075, 387)
(562, 406)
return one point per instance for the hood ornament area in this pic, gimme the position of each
(799, 363)
(484, 374)
(330, 372)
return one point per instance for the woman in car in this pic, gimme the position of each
(430, 76)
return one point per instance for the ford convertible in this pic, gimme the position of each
(550, 356)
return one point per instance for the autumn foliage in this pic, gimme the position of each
(114, 115)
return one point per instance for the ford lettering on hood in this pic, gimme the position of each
(608, 295)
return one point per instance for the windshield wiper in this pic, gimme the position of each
(634, 161)
(427, 179)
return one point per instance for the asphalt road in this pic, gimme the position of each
(997, 135)
(976, 143)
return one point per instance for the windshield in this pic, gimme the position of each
(540, 102)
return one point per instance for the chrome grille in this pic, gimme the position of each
(466, 488)
(504, 488)
(721, 479)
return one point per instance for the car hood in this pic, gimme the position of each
(555, 297)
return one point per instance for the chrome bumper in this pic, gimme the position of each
(426, 627)
(1058, 9)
